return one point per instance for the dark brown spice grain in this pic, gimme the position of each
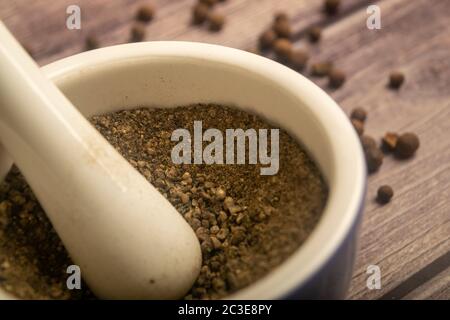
(283, 49)
(298, 59)
(358, 114)
(396, 79)
(199, 13)
(384, 194)
(216, 21)
(267, 39)
(314, 34)
(331, 7)
(406, 145)
(321, 69)
(336, 78)
(247, 223)
(145, 13)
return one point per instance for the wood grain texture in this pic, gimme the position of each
(403, 237)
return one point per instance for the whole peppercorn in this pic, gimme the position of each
(91, 43)
(336, 78)
(374, 159)
(406, 146)
(137, 33)
(283, 48)
(384, 194)
(216, 21)
(368, 142)
(280, 16)
(321, 69)
(145, 13)
(209, 3)
(267, 39)
(199, 13)
(373, 155)
(332, 6)
(359, 114)
(396, 79)
(314, 34)
(283, 29)
(358, 125)
(389, 141)
(298, 59)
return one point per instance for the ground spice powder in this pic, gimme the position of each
(247, 223)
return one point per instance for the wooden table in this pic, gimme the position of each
(409, 239)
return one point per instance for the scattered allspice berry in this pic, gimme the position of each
(137, 33)
(283, 48)
(145, 13)
(283, 29)
(384, 194)
(368, 142)
(336, 78)
(406, 146)
(298, 59)
(389, 141)
(374, 156)
(396, 79)
(267, 39)
(280, 16)
(216, 21)
(209, 3)
(321, 69)
(332, 6)
(314, 34)
(199, 13)
(91, 43)
(358, 125)
(359, 114)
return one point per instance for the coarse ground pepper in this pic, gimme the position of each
(247, 223)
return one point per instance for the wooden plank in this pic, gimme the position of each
(111, 21)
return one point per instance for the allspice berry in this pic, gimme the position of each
(216, 21)
(374, 159)
(368, 142)
(396, 79)
(209, 3)
(145, 13)
(298, 59)
(91, 43)
(358, 114)
(374, 156)
(384, 194)
(283, 48)
(283, 29)
(267, 39)
(389, 141)
(406, 146)
(314, 34)
(137, 33)
(280, 16)
(321, 69)
(332, 6)
(199, 13)
(358, 125)
(336, 78)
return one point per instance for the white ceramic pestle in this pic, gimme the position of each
(127, 239)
